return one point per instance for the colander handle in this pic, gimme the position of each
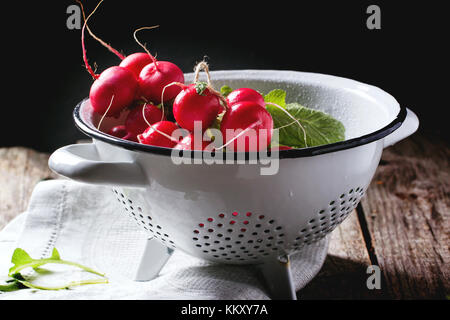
(408, 127)
(80, 162)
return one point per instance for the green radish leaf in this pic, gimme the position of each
(200, 87)
(225, 90)
(276, 96)
(320, 128)
(22, 260)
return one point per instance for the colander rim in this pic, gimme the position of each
(291, 153)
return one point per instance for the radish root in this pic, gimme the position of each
(104, 115)
(150, 125)
(239, 134)
(162, 94)
(143, 46)
(103, 43)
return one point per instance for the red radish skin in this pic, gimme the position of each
(189, 106)
(136, 62)
(116, 82)
(157, 75)
(245, 94)
(154, 138)
(245, 115)
(118, 131)
(135, 123)
(188, 143)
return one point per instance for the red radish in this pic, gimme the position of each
(135, 123)
(136, 62)
(118, 131)
(247, 115)
(245, 94)
(116, 82)
(157, 75)
(114, 89)
(151, 136)
(196, 103)
(189, 143)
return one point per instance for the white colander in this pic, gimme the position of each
(230, 213)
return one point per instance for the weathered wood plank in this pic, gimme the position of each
(20, 170)
(407, 212)
(343, 275)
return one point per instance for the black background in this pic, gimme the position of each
(45, 77)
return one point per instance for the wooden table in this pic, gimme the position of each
(402, 224)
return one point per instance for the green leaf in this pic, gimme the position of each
(225, 90)
(22, 260)
(276, 96)
(20, 256)
(55, 255)
(320, 127)
(200, 87)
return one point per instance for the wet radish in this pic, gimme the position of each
(116, 82)
(196, 103)
(113, 90)
(245, 94)
(189, 143)
(135, 123)
(244, 123)
(157, 75)
(136, 62)
(118, 131)
(159, 134)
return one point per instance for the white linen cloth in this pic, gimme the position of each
(86, 226)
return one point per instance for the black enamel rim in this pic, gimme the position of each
(291, 153)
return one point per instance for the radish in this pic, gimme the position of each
(245, 94)
(114, 81)
(189, 143)
(135, 122)
(159, 134)
(114, 89)
(243, 123)
(136, 62)
(155, 76)
(198, 102)
(118, 131)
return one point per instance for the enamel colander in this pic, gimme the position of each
(231, 213)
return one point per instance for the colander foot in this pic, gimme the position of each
(153, 260)
(278, 278)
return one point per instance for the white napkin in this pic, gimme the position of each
(84, 223)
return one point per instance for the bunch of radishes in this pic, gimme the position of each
(143, 84)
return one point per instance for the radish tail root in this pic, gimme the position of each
(162, 95)
(160, 132)
(239, 134)
(103, 43)
(104, 115)
(143, 46)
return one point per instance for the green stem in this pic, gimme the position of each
(67, 286)
(38, 263)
